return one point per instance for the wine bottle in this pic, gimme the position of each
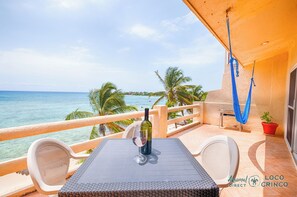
(146, 128)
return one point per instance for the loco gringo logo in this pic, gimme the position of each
(238, 182)
(274, 181)
(255, 181)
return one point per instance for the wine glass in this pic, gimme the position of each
(139, 139)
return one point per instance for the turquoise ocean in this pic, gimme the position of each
(27, 108)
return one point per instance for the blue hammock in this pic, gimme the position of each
(240, 117)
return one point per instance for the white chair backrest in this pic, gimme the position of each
(220, 158)
(48, 162)
(129, 131)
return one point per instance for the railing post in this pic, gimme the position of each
(198, 110)
(160, 122)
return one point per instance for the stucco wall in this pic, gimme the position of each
(268, 95)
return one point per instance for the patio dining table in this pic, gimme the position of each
(170, 170)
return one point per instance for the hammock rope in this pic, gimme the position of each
(240, 117)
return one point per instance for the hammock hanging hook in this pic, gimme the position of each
(253, 81)
(227, 12)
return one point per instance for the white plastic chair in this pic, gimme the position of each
(48, 162)
(220, 159)
(129, 131)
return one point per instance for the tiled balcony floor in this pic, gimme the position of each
(259, 155)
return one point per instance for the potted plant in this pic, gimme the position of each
(268, 126)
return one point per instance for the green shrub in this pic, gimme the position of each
(266, 117)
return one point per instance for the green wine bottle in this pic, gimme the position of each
(146, 128)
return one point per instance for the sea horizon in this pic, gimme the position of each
(54, 91)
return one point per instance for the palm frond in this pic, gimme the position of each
(173, 115)
(124, 122)
(195, 98)
(93, 98)
(156, 93)
(114, 127)
(197, 93)
(78, 114)
(183, 96)
(198, 88)
(158, 100)
(186, 79)
(113, 103)
(190, 86)
(203, 96)
(107, 91)
(123, 109)
(94, 133)
(180, 79)
(170, 77)
(160, 78)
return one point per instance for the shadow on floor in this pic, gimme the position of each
(252, 155)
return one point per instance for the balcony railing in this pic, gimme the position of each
(158, 116)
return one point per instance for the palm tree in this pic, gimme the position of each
(175, 92)
(107, 100)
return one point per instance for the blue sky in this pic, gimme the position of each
(76, 45)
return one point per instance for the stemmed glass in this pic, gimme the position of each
(139, 139)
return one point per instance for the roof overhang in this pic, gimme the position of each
(259, 29)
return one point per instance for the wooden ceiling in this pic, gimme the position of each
(259, 28)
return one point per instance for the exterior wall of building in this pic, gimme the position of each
(269, 94)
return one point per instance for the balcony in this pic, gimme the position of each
(260, 155)
(267, 34)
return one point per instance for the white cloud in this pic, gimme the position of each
(76, 70)
(145, 32)
(79, 53)
(190, 18)
(199, 54)
(179, 23)
(171, 25)
(65, 5)
(73, 70)
(76, 4)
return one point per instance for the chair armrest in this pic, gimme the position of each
(50, 189)
(196, 153)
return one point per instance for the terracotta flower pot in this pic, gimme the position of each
(269, 128)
